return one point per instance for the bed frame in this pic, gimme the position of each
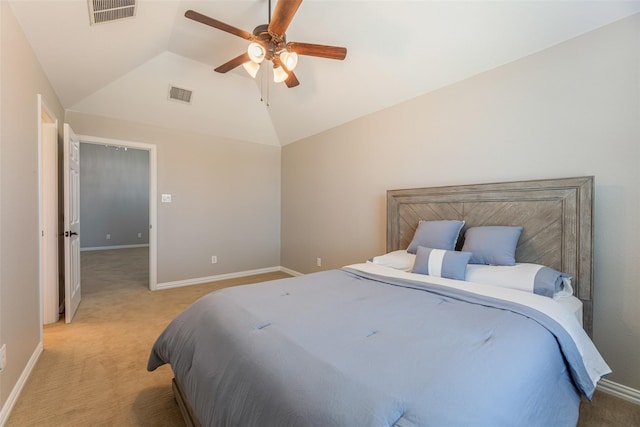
(556, 214)
(188, 414)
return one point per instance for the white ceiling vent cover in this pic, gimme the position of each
(111, 10)
(180, 94)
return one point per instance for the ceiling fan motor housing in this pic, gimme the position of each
(272, 43)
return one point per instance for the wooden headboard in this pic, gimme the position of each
(556, 214)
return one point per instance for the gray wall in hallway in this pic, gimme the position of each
(114, 196)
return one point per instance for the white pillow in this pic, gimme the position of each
(400, 260)
(533, 278)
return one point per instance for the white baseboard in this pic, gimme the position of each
(201, 280)
(622, 391)
(290, 272)
(17, 389)
(106, 248)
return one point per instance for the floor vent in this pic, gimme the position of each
(179, 94)
(111, 10)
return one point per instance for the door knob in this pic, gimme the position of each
(70, 233)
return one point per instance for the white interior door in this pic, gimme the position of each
(71, 223)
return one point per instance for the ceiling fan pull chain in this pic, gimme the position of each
(261, 85)
(268, 86)
(263, 77)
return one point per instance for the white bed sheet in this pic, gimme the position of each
(572, 305)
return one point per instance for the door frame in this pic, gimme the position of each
(49, 291)
(153, 186)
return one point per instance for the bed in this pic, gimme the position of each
(402, 339)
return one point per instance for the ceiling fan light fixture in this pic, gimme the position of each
(251, 68)
(256, 52)
(289, 59)
(279, 74)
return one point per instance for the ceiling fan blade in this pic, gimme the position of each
(322, 51)
(238, 60)
(291, 80)
(283, 15)
(203, 19)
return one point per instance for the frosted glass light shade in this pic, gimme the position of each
(256, 52)
(252, 68)
(289, 59)
(279, 74)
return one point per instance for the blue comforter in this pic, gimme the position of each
(345, 348)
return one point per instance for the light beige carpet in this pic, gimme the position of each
(93, 371)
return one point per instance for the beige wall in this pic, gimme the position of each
(21, 79)
(571, 110)
(225, 198)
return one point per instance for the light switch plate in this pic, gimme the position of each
(166, 198)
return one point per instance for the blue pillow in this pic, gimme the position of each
(441, 234)
(492, 245)
(441, 263)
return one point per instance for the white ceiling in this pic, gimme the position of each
(397, 50)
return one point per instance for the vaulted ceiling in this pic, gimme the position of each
(397, 50)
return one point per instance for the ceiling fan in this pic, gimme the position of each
(269, 42)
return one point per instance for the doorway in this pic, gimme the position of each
(51, 193)
(97, 239)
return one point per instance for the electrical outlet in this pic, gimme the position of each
(139, 235)
(319, 262)
(214, 259)
(3, 357)
(108, 236)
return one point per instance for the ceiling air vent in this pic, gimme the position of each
(111, 10)
(179, 94)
